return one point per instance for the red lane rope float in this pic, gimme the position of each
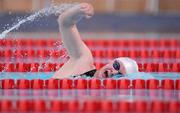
(10, 67)
(51, 67)
(167, 84)
(23, 84)
(7, 53)
(56, 53)
(89, 105)
(177, 53)
(66, 83)
(7, 84)
(106, 106)
(31, 53)
(149, 67)
(110, 53)
(102, 42)
(6, 105)
(20, 53)
(80, 84)
(21, 42)
(34, 67)
(152, 84)
(123, 84)
(23, 67)
(73, 106)
(140, 106)
(140, 66)
(158, 106)
(110, 83)
(52, 84)
(94, 83)
(23, 105)
(57, 105)
(175, 67)
(43, 53)
(124, 106)
(178, 84)
(41, 42)
(39, 105)
(138, 84)
(37, 84)
(173, 106)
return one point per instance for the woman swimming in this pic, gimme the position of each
(81, 60)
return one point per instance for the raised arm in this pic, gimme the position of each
(81, 59)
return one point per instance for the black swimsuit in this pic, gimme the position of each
(86, 74)
(91, 74)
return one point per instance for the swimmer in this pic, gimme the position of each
(81, 62)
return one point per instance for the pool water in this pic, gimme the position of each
(48, 75)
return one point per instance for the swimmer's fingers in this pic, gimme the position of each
(88, 11)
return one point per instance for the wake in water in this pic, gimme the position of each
(56, 10)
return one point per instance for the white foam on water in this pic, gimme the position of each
(56, 10)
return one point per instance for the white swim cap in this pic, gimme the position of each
(127, 65)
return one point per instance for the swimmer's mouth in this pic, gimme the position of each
(107, 75)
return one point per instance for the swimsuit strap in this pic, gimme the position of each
(90, 73)
(86, 74)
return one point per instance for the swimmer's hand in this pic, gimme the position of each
(87, 10)
(74, 14)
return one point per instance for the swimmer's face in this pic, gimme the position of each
(112, 68)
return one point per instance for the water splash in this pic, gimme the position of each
(56, 10)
